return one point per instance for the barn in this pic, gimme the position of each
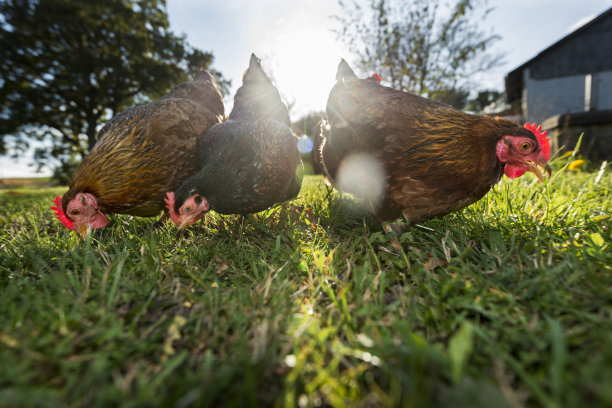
(568, 88)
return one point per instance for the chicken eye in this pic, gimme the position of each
(75, 212)
(187, 209)
(525, 146)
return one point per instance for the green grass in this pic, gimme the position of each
(506, 303)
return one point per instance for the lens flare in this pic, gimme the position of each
(362, 175)
(305, 144)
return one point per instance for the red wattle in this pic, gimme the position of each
(514, 170)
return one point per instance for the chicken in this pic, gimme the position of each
(140, 154)
(257, 98)
(408, 156)
(249, 163)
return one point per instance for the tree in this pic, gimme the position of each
(308, 124)
(456, 97)
(486, 100)
(419, 46)
(66, 67)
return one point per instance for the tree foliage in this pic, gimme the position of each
(485, 99)
(421, 46)
(308, 124)
(66, 67)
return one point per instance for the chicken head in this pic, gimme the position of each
(190, 212)
(82, 213)
(521, 154)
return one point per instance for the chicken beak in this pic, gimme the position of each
(82, 231)
(548, 170)
(538, 168)
(190, 221)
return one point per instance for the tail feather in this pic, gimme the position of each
(344, 71)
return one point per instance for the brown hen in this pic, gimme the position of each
(140, 154)
(405, 155)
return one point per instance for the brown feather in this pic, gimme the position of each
(436, 159)
(148, 150)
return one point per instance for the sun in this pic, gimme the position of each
(303, 62)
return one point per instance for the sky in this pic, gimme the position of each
(295, 42)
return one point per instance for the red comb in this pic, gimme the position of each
(169, 200)
(376, 77)
(537, 131)
(59, 213)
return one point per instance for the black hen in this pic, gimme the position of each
(249, 163)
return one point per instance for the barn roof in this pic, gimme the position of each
(589, 54)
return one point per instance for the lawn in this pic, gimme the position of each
(507, 303)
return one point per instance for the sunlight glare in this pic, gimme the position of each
(362, 175)
(305, 144)
(303, 62)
